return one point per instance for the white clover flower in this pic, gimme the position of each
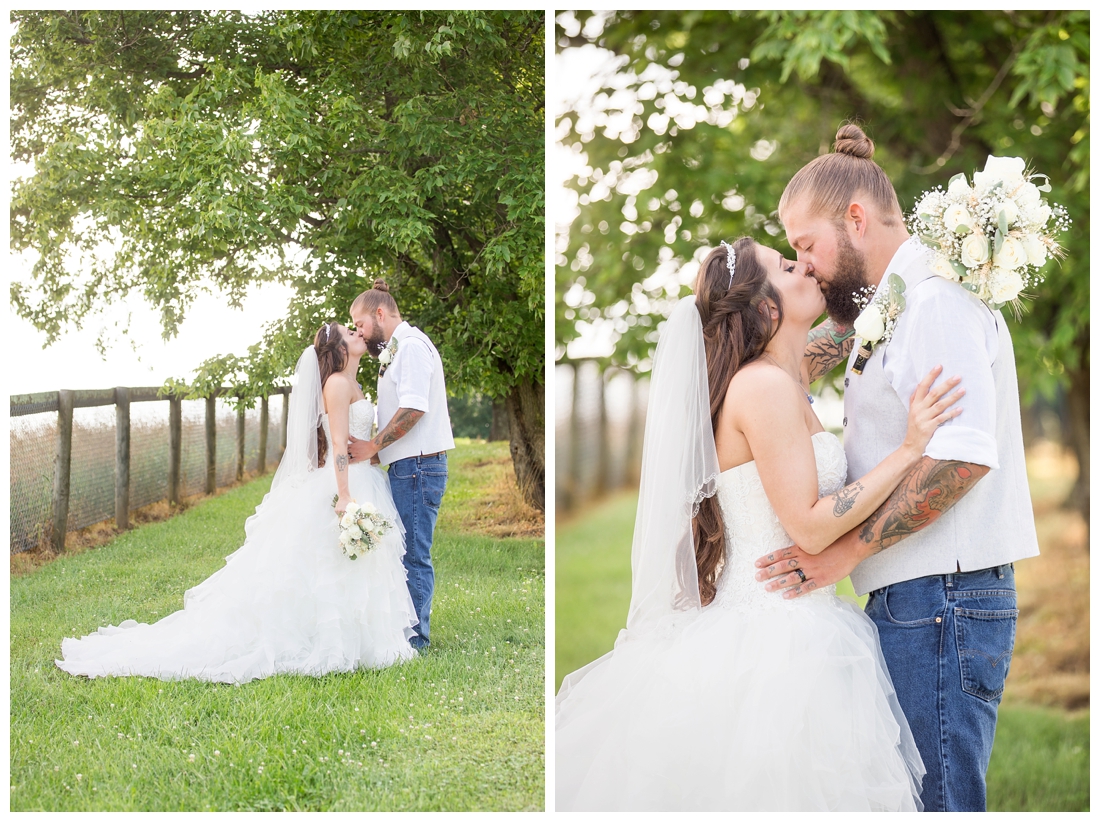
(1011, 256)
(957, 216)
(975, 250)
(1036, 250)
(1005, 285)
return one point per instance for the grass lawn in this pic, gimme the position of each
(1040, 757)
(460, 728)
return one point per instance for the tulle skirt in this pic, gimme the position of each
(287, 601)
(788, 708)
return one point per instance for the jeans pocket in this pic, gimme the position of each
(434, 484)
(985, 640)
(910, 604)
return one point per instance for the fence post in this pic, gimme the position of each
(286, 418)
(603, 452)
(61, 469)
(122, 458)
(211, 445)
(574, 485)
(263, 436)
(175, 443)
(240, 440)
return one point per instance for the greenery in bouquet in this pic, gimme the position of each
(993, 236)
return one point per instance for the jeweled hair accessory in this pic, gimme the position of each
(731, 259)
(328, 326)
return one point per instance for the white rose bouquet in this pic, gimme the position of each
(361, 528)
(993, 236)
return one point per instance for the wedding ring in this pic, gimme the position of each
(801, 576)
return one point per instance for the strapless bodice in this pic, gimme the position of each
(360, 420)
(753, 529)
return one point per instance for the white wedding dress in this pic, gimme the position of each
(287, 601)
(753, 703)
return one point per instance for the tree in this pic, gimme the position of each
(176, 151)
(711, 113)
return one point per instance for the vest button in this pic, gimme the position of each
(845, 422)
(845, 382)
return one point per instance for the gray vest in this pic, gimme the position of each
(992, 525)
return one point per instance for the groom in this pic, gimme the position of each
(414, 434)
(937, 557)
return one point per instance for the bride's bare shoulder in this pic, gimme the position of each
(761, 389)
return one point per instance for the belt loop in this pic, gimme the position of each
(949, 580)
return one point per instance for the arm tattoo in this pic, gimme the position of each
(845, 498)
(399, 426)
(341, 462)
(827, 345)
(922, 496)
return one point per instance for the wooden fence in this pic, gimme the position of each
(63, 402)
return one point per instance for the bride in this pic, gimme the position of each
(288, 600)
(719, 695)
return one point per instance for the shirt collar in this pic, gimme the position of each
(401, 331)
(911, 262)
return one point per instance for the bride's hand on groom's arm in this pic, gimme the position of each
(779, 570)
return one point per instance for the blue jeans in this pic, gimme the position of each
(948, 643)
(418, 484)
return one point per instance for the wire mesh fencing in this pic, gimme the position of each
(33, 452)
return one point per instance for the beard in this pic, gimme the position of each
(375, 340)
(849, 278)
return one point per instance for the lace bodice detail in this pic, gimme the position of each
(360, 420)
(753, 529)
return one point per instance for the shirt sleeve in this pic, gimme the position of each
(939, 327)
(414, 376)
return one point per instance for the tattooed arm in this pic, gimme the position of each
(920, 499)
(780, 443)
(399, 426)
(826, 345)
(339, 395)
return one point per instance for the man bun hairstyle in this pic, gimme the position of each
(827, 185)
(377, 297)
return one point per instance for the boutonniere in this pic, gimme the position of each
(880, 314)
(387, 355)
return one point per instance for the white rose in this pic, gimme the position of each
(347, 519)
(1036, 251)
(1008, 170)
(975, 250)
(929, 206)
(345, 539)
(1005, 285)
(1028, 196)
(871, 325)
(1012, 254)
(942, 267)
(369, 509)
(1042, 215)
(957, 215)
(959, 188)
(1012, 214)
(385, 356)
(355, 532)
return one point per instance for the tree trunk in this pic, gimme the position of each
(1077, 437)
(498, 429)
(526, 420)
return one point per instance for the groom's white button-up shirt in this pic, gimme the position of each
(414, 379)
(944, 324)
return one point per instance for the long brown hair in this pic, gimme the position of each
(737, 326)
(830, 183)
(332, 356)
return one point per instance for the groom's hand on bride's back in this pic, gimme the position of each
(361, 450)
(780, 570)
